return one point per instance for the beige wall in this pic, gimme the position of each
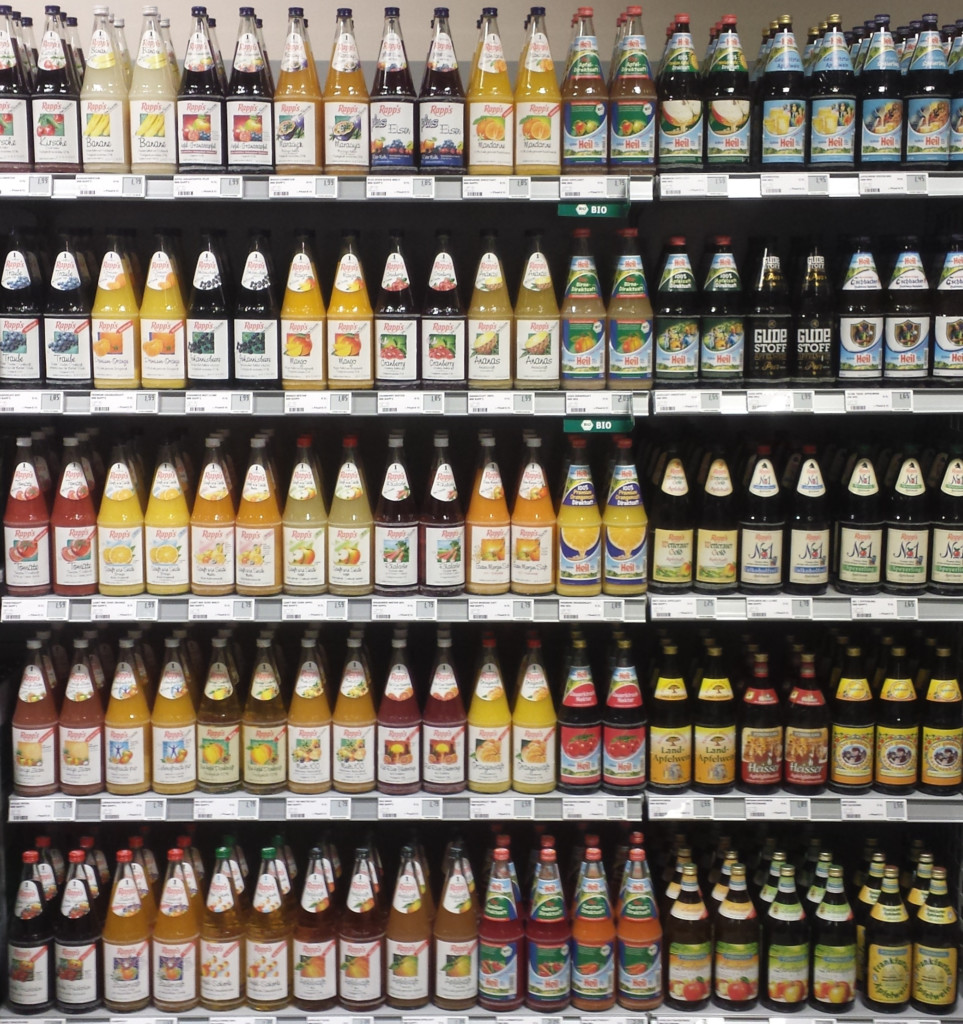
(416, 16)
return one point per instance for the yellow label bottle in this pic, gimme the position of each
(115, 324)
(489, 726)
(166, 530)
(491, 104)
(120, 532)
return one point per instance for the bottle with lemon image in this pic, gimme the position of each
(166, 529)
(120, 531)
(579, 529)
(264, 761)
(219, 726)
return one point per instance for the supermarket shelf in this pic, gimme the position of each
(824, 401)
(323, 403)
(549, 608)
(863, 807)
(331, 806)
(806, 184)
(829, 607)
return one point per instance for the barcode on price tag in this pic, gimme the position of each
(408, 808)
(872, 809)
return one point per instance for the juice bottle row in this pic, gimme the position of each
(130, 719)
(583, 933)
(91, 526)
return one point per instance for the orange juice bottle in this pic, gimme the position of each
(297, 104)
(304, 525)
(173, 723)
(350, 528)
(126, 943)
(120, 531)
(166, 529)
(127, 731)
(579, 529)
(491, 103)
(175, 942)
(163, 320)
(346, 128)
(302, 322)
(258, 532)
(115, 323)
(533, 527)
(490, 322)
(538, 100)
(353, 726)
(212, 526)
(264, 758)
(350, 323)
(408, 939)
(309, 725)
(489, 726)
(222, 939)
(488, 526)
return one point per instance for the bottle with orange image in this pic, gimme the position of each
(163, 321)
(166, 529)
(538, 104)
(488, 526)
(302, 323)
(491, 103)
(115, 322)
(533, 527)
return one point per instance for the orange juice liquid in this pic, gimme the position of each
(533, 531)
(491, 106)
(115, 326)
(302, 327)
(163, 326)
(488, 527)
(350, 327)
(258, 528)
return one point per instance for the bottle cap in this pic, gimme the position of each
(124, 856)
(74, 857)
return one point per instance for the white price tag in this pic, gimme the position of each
(491, 403)
(882, 183)
(680, 401)
(780, 808)
(106, 608)
(492, 808)
(316, 808)
(594, 808)
(409, 808)
(299, 609)
(392, 402)
(402, 186)
(34, 609)
(15, 185)
(495, 187)
(302, 186)
(228, 808)
(44, 808)
(111, 186)
(491, 609)
(588, 403)
(681, 807)
(152, 808)
(21, 401)
(393, 608)
(209, 403)
(770, 608)
(197, 186)
(591, 609)
(785, 183)
(113, 401)
(596, 186)
(317, 402)
(210, 609)
(775, 400)
(872, 809)
(672, 607)
(884, 608)
(868, 400)
(677, 186)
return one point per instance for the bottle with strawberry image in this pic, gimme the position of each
(250, 110)
(26, 525)
(396, 324)
(442, 322)
(200, 104)
(73, 524)
(55, 104)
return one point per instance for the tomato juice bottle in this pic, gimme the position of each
(501, 941)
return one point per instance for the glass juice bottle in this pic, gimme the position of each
(120, 531)
(297, 103)
(309, 725)
(166, 528)
(394, 138)
(104, 110)
(126, 943)
(441, 104)
(115, 322)
(538, 103)
(488, 526)
(396, 526)
(163, 321)
(258, 533)
(491, 103)
(302, 323)
(346, 115)
(127, 731)
(222, 939)
(267, 943)
(350, 324)
(249, 109)
(153, 100)
(212, 526)
(353, 726)
(264, 758)
(350, 528)
(304, 525)
(55, 105)
(200, 104)
(490, 322)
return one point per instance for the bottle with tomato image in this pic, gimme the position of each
(580, 727)
(688, 939)
(548, 934)
(624, 724)
(784, 965)
(73, 524)
(501, 941)
(26, 524)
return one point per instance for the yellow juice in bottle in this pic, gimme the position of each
(120, 532)
(350, 529)
(212, 527)
(491, 323)
(153, 102)
(624, 528)
(115, 324)
(491, 104)
(264, 758)
(488, 526)
(297, 105)
(302, 324)
(533, 527)
(174, 727)
(353, 724)
(258, 527)
(127, 731)
(538, 106)
(537, 329)
(534, 724)
(126, 940)
(304, 526)
(166, 530)
(350, 325)
(346, 128)
(104, 110)
(489, 726)
(309, 726)
(163, 323)
(579, 570)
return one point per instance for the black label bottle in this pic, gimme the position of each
(762, 528)
(723, 310)
(210, 329)
(859, 532)
(853, 734)
(860, 308)
(677, 317)
(768, 322)
(926, 87)
(907, 542)
(907, 345)
(784, 107)
(881, 119)
(257, 353)
(813, 347)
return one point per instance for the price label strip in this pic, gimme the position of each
(412, 808)
(681, 807)
(872, 809)
(594, 808)
(227, 808)
(778, 808)
(60, 808)
(320, 808)
(505, 807)
(152, 808)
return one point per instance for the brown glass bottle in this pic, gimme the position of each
(735, 966)
(760, 732)
(806, 760)
(889, 949)
(784, 964)
(688, 942)
(936, 939)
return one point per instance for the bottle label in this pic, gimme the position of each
(859, 555)
(127, 971)
(716, 556)
(897, 749)
(736, 971)
(102, 132)
(219, 753)
(399, 755)
(672, 556)
(442, 131)
(360, 970)
(907, 556)
(34, 756)
(345, 56)
(315, 970)
(538, 349)
(809, 557)
(257, 556)
(934, 975)
(114, 348)
(76, 973)
(832, 130)
(14, 143)
(761, 755)
(948, 345)
(941, 756)
(126, 761)
(442, 349)
(760, 560)
(310, 754)
(349, 556)
(296, 132)
(81, 756)
(198, 124)
(681, 127)
(852, 755)
(153, 132)
(67, 348)
(489, 553)
(265, 754)
(499, 982)
(19, 336)
(212, 554)
(28, 973)
(220, 970)
(626, 555)
(349, 349)
(346, 133)
(632, 132)
(489, 761)
(630, 348)
(580, 760)
(174, 970)
(407, 968)
(256, 349)
(784, 126)
(788, 973)
(583, 349)
(888, 972)
(55, 129)
(392, 132)
(167, 561)
(174, 755)
(397, 352)
(689, 970)
(198, 56)
(861, 346)
(162, 349)
(121, 551)
(491, 126)
(947, 565)
(208, 348)
(537, 133)
(677, 347)
(444, 559)
(906, 350)
(250, 136)
(623, 755)
(456, 969)
(815, 344)
(490, 342)
(75, 550)
(956, 126)
(532, 555)
(927, 129)
(444, 754)
(396, 556)
(593, 971)
(579, 551)
(304, 556)
(834, 973)
(727, 124)
(881, 130)
(269, 982)
(549, 970)
(354, 754)
(807, 756)
(723, 346)
(533, 754)
(585, 133)
(584, 59)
